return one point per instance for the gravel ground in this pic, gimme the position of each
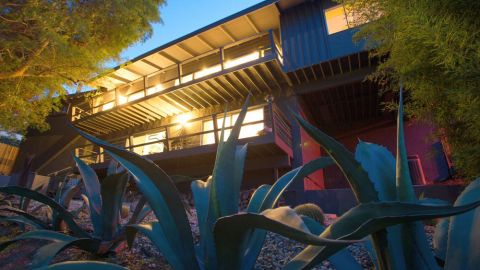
(276, 252)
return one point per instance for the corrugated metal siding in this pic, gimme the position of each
(305, 41)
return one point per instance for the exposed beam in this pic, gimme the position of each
(250, 22)
(179, 103)
(199, 85)
(334, 81)
(225, 31)
(151, 64)
(169, 57)
(206, 93)
(116, 77)
(188, 51)
(204, 42)
(133, 71)
(193, 92)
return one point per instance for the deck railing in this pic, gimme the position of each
(274, 124)
(112, 99)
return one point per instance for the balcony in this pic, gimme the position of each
(193, 142)
(251, 65)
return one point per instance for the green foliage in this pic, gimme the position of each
(46, 45)
(312, 211)
(432, 47)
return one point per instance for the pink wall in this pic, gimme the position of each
(419, 139)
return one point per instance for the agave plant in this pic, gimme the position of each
(233, 240)
(104, 203)
(383, 188)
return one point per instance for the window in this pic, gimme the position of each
(336, 19)
(108, 106)
(135, 96)
(341, 18)
(246, 131)
(152, 148)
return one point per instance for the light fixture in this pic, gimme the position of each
(122, 99)
(183, 119)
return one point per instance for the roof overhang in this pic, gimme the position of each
(252, 21)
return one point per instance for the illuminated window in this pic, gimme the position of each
(242, 60)
(135, 96)
(336, 19)
(207, 71)
(157, 88)
(187, 78)
(247, 131)
(108, 106)
(152, 148)
(341, 18)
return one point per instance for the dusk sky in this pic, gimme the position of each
(181, 17)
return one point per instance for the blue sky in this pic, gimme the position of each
(181, 17)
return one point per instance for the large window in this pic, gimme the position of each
(151, 148)
(247, 131)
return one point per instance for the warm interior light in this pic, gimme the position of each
(122, 99)
(157, 88)
(108, 106)
(183, 119)
(135, 96)
(207, 71)
(242, 60)
(187, 78)
(336, 19)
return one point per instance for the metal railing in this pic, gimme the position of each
(274, 123)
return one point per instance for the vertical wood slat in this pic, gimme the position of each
(8, 154)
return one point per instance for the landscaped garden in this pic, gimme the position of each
(216, 234)
(309, 75)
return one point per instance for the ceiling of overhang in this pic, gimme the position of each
(262, 78)
(241, 27)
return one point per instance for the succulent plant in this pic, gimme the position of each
(312, 211)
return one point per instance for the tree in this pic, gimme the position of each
(46, 46)
(433, 48)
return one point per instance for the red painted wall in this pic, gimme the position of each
(420, 140)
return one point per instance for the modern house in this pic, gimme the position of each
(168, 104)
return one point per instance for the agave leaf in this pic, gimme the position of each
(366, 219)
(433, 201)
(46, 253)
(155, 233)
(379, 164)
(112, 189)
(404, 183)
(281, 184)
(231, 230)
(257, 198)
(23, 221)
(440, 238)
(161, 194)
(358, 179)
(93, 192)
(62, 212)
(254, 241)
(138, 209)
(200, 191)
(68, 195)
(227, 164)
(340, 260)
(416, 249)
(32, 220)
(463, 245)
(81, 265)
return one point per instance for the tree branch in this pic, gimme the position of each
(22, 69)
